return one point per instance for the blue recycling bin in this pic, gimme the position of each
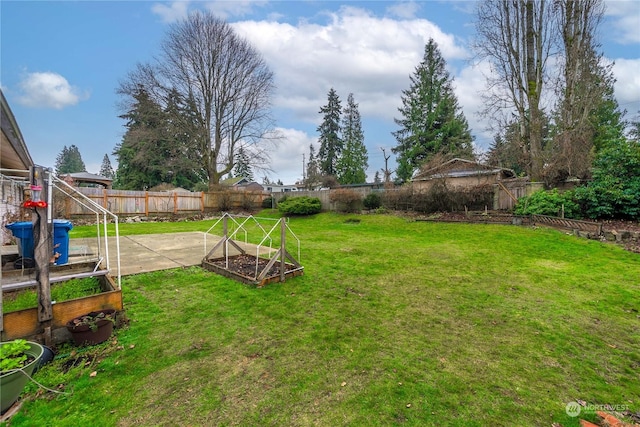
(61, 228)
(24, 232)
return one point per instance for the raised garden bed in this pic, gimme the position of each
(244, 269)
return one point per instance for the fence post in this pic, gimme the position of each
(146, 203)
(175, 203)
(105, 199)
(202, 201)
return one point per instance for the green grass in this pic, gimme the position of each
(394, 322)
(64, 291)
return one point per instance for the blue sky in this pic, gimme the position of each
(61, 62)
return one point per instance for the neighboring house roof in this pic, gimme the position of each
(460, 168)
(89, 178)
(13, 150)
(238, 180)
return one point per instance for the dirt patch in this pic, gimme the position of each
(245, 265)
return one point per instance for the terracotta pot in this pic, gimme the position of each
(85, 335)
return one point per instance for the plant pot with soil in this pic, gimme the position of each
(92, 328)
(18, 359)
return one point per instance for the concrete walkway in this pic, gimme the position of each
(151, 252)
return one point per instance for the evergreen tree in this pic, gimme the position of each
(313, 169)
(159, 146)
(242, 167)
(376, 178)
(432, 121)
(352, 165)
(106, 169)
(330, 143)
(634, 130)
(69, 161)
(137, 154)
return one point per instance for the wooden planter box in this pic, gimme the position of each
(24, 323)
(217, 265)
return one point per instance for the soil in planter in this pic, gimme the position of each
(245, 265)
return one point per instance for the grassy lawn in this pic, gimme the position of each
(394, 322)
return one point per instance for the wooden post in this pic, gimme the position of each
(202, 201)
(105, 199)
(146, 203)
(175, 203)
(43, 250)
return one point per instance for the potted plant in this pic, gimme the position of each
(92, 328)
(18, 358)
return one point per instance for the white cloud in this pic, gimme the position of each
(226, 9)
(49, 90)
(286, 158)
(627, 86)
(626, 16)
(354, 51)
(176, 11)
(404, 10)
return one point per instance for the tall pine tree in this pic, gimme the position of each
(330, 143)
(106, 169)
(242, 167)
(69, 161)
(432, 121)
(353, 162)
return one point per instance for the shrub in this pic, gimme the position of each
(346, 200)
(548, 203)
(300, 206)
(268, 203)
(372, 201)
(614, 191)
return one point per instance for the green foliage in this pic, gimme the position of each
(331, 144)
(106, 169)
(268, 203)
(353, 162)
(432, 121)
(69, 161)
(300, 205)
(159, 145)
(615, 189)
(12, 355)
(63, 291)
(372, 201)
(242, 167)
(548, 203)
(346, 200)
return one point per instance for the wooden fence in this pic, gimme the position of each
(146, 203)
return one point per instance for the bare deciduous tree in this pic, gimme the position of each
(227, 83)
(584, 84)
(515, 37)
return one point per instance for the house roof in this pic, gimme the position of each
(459, 168)
(13, 150)
(89, 177)
(238, 180)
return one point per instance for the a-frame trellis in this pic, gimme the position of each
(230, 258)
